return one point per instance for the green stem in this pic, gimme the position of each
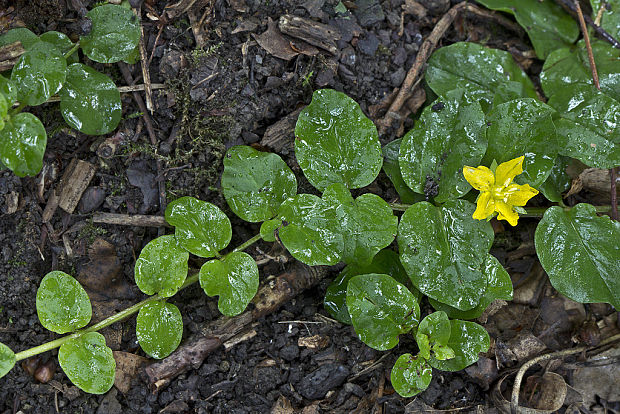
(72, 50)
(247, 243)
(17, 109)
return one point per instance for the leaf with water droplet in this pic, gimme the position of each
(62, 43)
(467, 340)
(268, 229)
(159, 328)
(391, 167)
(88, 363)
(436, 327)
(22, 144)
(8, 89)
(162, 267)
(558, 181)
(20, 34)
(7, 359)
(62, 303)
(410, 375)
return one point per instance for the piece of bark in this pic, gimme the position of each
(74, 183)
(317, 34)
(9, 54)
(138, 220)
(274, 43)
(279, 137)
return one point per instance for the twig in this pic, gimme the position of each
(121, 89)
(614, 194)
(144, 62)
(138, 220)
(568, 6)
(586, 37)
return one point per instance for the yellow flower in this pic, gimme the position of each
(498, 192)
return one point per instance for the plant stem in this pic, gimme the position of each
(72, 50)
(247, 243)
(531, 211)
(17, 109)
(399, 207)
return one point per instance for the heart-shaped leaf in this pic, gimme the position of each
(114, 35)
(580, 253)
(391, 167)
(7, 359)
(443, 251)
(410, 375)
(467, 340)
(88, 363)
(234, 278)
(436, 327)
(310, 230)
(433, 153)
(200, 227)
(90, 101)
(381, 309)
(22, 144)
(159, 328)
(162, 267)
(62, 303)
(268, 229)
(39, 73)
(62, 42)
(558, 181)
(336, 143)
(256, 183)
(19, 34)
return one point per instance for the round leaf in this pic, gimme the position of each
(530, 121)
(368, 223)
(256, 183)
(22, 144)
(162, 267)
(467, 340)
(62, 43)
(433, 153)
(7, 359)
(234, 279)
(8, 89)
(268, 229)
(381, 309)
(580, 253)
(88, 363)
(310, 230)
(114, 35)
(391, 167)
(436, 327)
(90, 101)
(19, 34)
(62, 303)
(443, 250)
(39, 73)
(410, 375)
(200, 227)
(336, 143)
(159, 328)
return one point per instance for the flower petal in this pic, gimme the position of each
(507, 171)
(485, 206)
(521, 194)
(506, 213)
(480, 178)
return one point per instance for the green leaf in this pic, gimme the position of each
(488, 74)
(8, 89)
(546, 23)
(22, 144)
(4, 108)
(368, 223)
(62, 42)
(39, 73)
(580, 253)
(499, 286)
(200, 227)
(336, 143)
(310, 230)
(467, 340)
(19, 34)
(62, 303)
(7, 359)
(90, 101)
(443, 251)
(558, 181)
(88, 363)
(159, 328)
(381, 309)
(268, 229)
(424, 344)
(391, 167)
(523, 127)
(436, 327)
(610, 20)
(162, 267)
(443, 352)
(410, 375)
(256, 183)
(114, 35)
(433, 153)
(590, 121)
(134, 56)
(234, 278)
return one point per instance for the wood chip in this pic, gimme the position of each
(317, 34)
(74, 182)
(274, 43)
(127, 367)
(280, 136)
(9, 54)
(313, 342)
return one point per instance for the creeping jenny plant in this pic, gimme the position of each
(489, 114)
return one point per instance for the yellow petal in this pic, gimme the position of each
(506, 213)
(480, 178)
(485, 206)
(507, 171)
(520, 194)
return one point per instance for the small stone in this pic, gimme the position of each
(369, 12)
(109, 404)
(396, 78)
(369, 44)
(289, 352)
(315, 385)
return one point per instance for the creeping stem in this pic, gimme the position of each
(531, 211)
(72, 50)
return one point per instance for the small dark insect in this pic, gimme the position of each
(438, 106)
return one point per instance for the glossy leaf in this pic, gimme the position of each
(436, 327)
(22, 144)
(590, 121)
(483, 73)
(433, 153)
(8, 89)
(336, 143)
(39, 73)
(159, 328)
(256, 183)
(391, 167)
(310, 230)
(558, 181)
(88, 363)
(4, 108)
(523, 127)
(19, 34)
(62, 303)
(467, 340)
(610, 19)
(410, 375)
(90, 101)
(499, 286)
(234, 279)
(546, 23)
(368, 223)
(268, 229)
(62, 42)
(162, 267)
(381, 309)
(200, 227)
(443, 250)
(114, 35)
(134, 56)
(7, 359)
(580, 253)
